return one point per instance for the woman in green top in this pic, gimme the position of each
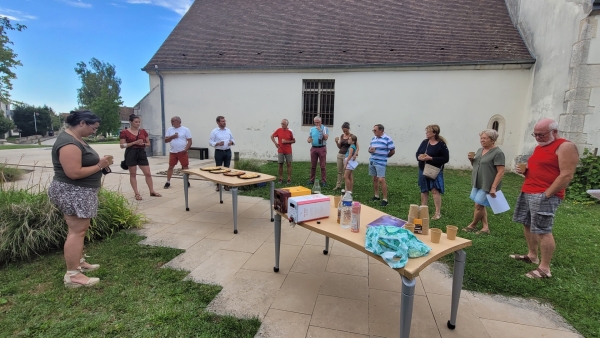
(74, 190)
(488, 169)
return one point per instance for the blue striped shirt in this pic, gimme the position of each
(383, 145)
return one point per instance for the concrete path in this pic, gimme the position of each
(343, 294)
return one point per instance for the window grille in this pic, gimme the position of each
(318, 100)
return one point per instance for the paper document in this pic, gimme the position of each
(352, 165)
(594, 192)
(498, 204)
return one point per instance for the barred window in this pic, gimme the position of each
(318, 98)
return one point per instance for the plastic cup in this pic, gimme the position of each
(110, 159)
(410, 227)
(471, 154)
(451, 232)
(435, 235)
(522, 167)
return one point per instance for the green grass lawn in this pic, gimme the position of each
(573, 290)
(24, 146)
(135, 297)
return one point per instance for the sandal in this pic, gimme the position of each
(483, 232)
(469, 229)
(523, 258)
(537, 274)
(155, 194)
(280, 181)
(138, 197)
(289, 181)
(436, 217)
(69, 283)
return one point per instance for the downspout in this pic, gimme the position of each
(162, 110)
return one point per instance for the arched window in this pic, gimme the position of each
(498, 124)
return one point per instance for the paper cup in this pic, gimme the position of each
(522, 167)
(110, 159)
(413, 211)
(425, 226)
(411, 219)
(471, 154)
(451, 232)
(336, 200)
(424, 211)
(435, 235)
(410, 227)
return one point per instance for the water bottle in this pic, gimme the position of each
(346, 210)
(316, 188)
(340, 207)
(355, 226)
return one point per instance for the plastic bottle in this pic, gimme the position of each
(346, 210)
(355, 224)
(316, 189)
(340, 206)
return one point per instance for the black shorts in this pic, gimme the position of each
(136, 156)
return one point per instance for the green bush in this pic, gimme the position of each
(587, 176)
(31, 225)
(248, 165)
(10, 174)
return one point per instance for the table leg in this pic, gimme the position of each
(220, 192)
(326, 251)
(406, 306)
(186, 179)
(457, 279)
(277, 226)
(234, 200)
(272, 199)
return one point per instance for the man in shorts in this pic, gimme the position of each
(549, 171)
(180, 139)
(285, 139)
(381, 148)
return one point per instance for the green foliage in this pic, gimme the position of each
(10, 174)
(23, 118)
(8, 58)
(31, 225)
(587, 176)
(100, 92)
(6, 125)
(136, 297)
(248, 165)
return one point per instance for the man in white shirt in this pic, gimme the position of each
(222, 139)
(181, 140)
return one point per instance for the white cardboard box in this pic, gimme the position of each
(308, 207)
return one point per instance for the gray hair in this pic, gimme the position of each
(553, 125)
(491, 133)
(317, 118)
(286, 121)
(176, 118)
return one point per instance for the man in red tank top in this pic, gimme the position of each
(549, 171)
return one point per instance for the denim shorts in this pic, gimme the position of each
(479, 196)
(536, 211)
(376, 170)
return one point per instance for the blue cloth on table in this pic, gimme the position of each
(395, 245)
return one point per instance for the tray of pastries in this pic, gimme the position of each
(220, 171)
(210, 168)
(248, 176)
(234, 173)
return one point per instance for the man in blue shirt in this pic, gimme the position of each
(381, 148)
(318, 138)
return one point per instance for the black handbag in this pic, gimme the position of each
(124, 165)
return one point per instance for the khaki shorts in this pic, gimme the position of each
(282, 157)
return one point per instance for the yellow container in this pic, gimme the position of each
(297, 191)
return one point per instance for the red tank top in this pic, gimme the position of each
(543, 169)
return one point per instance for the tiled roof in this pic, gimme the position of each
(124, 112)
(246, 34)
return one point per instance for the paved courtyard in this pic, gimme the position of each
(343, 294)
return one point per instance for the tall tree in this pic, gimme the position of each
(6, 125)
(27, 118)
(101, 92)
(8, 58)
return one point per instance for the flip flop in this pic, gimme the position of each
(138, 197)
(523, 258)
(482, 232)
(468, 229)
(537, 274)
(155, 194)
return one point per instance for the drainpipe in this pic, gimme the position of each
(162, 110)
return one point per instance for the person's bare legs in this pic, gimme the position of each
(170, 173)
(424, 198)
(148, 175)
(384, 189)
(375, 186)
(74, 245)
(484, 220)
(348, 180)
(281, 171)
(532, 243)
(133, 179)
(289, 171)
(477, 216)
(437, 200)
(547, 247)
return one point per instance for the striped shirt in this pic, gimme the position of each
(383, 145)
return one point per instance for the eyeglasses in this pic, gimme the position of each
(94, 128)
(541, 135)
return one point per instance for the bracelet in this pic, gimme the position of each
(98, 164)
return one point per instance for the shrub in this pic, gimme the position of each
(587, 176)
(248, 165)
(10, 174)
(31, 225)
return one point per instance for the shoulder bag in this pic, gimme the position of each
(124, 165)
(430, 171)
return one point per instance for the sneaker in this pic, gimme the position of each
(323, 184)
(384, 203)
(167, 185)
(375, 198)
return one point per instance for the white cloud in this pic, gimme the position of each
(178, 6)
(14, 15)
(77, 3)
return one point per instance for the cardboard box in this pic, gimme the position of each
(309, 207)
(298, 191)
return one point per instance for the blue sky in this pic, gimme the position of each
(61, 33)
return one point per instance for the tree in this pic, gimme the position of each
(6, 125)
(8, 58)
(100, 92)
(23, 116)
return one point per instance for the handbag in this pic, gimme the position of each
(124, 165)
(430, 171)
